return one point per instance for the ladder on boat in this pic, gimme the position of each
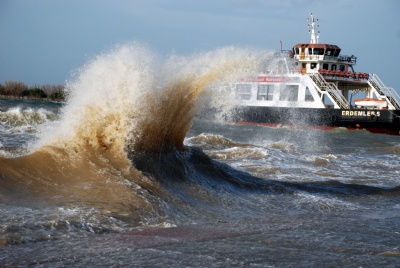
(331, 89)
(384, 92)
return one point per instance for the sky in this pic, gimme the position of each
(44, 41)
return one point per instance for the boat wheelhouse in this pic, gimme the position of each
(313, 85)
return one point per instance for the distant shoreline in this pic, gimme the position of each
(12, 97)
(20, 91)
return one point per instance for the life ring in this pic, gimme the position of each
(373, 118)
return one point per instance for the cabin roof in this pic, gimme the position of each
(324, 46)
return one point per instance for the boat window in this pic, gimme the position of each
(342, 67)
(318, 51)
(265, 92)
(243, 91)
(328, 53)
(289, 93)
(296, 50)
(333, 67)
(313, 65)
(309, 96)
(310, 51)
(270, 95)
(325, 66)
(336, 52)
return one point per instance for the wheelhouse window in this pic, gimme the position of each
(318, 51)
(265, 92)
(289, 93)
(243, 91)
(336, 52)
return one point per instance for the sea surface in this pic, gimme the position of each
(125, 174)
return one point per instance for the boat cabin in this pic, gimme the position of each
(324, 57)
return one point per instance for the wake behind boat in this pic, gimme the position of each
(313, 85)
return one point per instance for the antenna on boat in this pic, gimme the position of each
(311, 29)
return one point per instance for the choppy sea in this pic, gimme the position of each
(136, 179)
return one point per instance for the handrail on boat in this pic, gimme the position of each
(387, 93)
(331, 88)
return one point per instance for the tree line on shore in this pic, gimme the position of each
(14, 89)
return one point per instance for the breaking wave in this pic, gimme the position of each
(18, 119)
(125, 106)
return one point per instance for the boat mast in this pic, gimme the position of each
(311, 30)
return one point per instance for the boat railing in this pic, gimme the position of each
(331, 89)
(310, 57)
(342, 58)
(385, 92)
(344, 74)
(351, 59)
(330, 58)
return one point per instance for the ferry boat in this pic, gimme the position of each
(317, 91)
